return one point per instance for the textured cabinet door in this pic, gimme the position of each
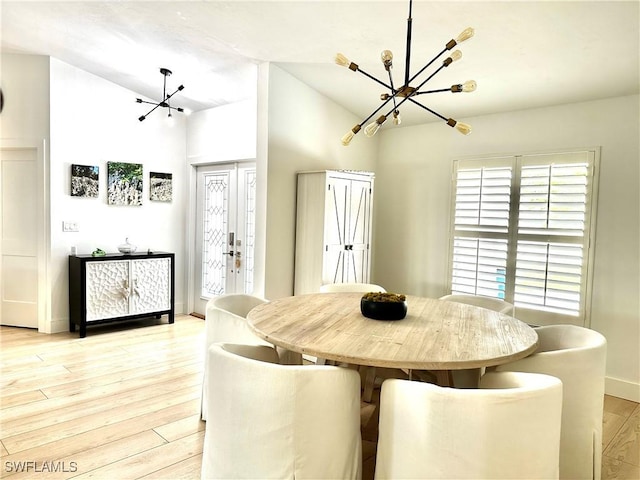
(107, 289)
(150, 285)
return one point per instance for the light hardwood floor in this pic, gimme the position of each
(123, 403)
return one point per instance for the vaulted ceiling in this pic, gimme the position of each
(524, 54)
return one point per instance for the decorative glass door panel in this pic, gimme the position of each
(215, 233)
(225, 231)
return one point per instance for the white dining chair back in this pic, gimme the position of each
(469, 378)
(495, 304)
(268, 420)
(225, 321)
(577, 356)
(351, 287)
(509, 428)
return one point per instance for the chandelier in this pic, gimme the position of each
(397, 96)
(165, 98)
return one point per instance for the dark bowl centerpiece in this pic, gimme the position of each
(383, 305)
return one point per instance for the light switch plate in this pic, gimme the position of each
(70, 227)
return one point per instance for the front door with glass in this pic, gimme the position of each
(225, 231)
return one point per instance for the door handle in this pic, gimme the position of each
(230, 253)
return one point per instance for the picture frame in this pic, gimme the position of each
(85, 181)
(124, 183)
(160, 187)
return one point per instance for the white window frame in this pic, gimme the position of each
(511, 234)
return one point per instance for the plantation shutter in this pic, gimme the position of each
(521, 232)
(552, 232)
(482, 205)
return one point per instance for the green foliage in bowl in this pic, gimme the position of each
(384, 297)
(383, 306)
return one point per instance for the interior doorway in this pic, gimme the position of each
(21, 236)
(225, 231)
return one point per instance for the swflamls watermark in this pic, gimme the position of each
(47, 466)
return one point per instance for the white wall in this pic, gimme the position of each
(25, 84)
(303, 133)
(222, 134)
(413, 188)
(94, 122)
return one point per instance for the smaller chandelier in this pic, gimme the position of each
(165, 98)
(406, 92)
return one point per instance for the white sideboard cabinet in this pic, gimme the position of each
(333, 228)
(120, 287)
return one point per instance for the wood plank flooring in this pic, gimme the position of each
(123, 403)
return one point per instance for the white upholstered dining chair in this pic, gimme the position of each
(577, 356)
(351, 287)
(469, 378)
(225, 321)
(273, 421)
(495, 304)
(509, 428)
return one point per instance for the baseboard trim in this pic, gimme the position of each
(59, 326)
(622, 389)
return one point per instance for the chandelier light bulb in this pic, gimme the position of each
(341, 60)
(455, 55)
(371, 129)
(397, 120)
(387, 59)
(463, 128)
(346, 139)
(469, 86)
(466, 34)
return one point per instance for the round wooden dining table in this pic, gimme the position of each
(435, 334)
